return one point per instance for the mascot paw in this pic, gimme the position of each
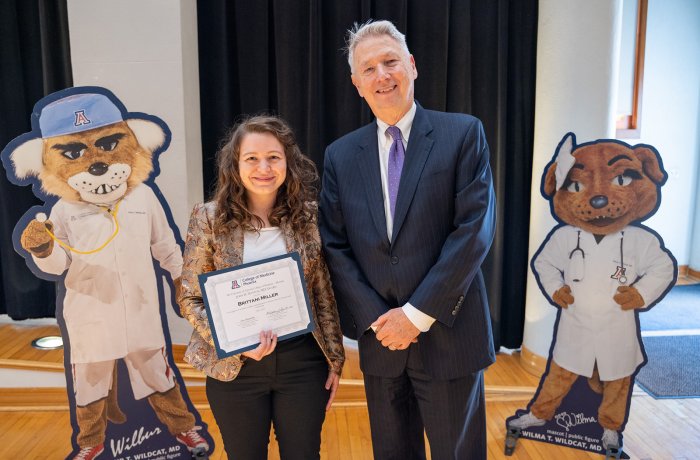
(563, 297)
(36, 239)
(628, 297)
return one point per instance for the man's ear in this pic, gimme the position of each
(550, 181)
(356, 85)
(149, 134)
(26, 159)
(651, 165)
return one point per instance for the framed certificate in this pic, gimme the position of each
(241, 301)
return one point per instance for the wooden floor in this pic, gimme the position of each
(657, 429)
(667, 432)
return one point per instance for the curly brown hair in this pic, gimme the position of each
(295, 198)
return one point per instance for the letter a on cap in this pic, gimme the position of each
(81, 118)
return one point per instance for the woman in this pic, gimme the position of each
(264, 206)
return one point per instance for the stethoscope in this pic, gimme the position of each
(622, 279)
(112, 211)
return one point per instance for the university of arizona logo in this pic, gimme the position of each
(81, 118)
(235, 285)
(619, 274)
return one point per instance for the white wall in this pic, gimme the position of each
(577, 53)
(145, 51)
(671, 119)
(694, 262)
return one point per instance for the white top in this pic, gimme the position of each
(384, 141)
(268, 243)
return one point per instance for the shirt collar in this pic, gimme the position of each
(404, 124)
(617, 235)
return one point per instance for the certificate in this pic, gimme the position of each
(241, 301)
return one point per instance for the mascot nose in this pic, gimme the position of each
(97, 169)
(599, 201)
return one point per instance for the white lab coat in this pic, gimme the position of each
(111, 306)
(595, 328)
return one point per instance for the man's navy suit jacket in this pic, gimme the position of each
(443, 227)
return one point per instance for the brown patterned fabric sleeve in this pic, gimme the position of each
(197, 259)
(200, 257)
(327, 311)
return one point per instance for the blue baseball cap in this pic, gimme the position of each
(77, 113)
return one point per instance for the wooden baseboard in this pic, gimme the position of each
(20, 399)
(29, 365)
(500, 393)
(187, 371)
(683, 271)
(694, 273)
(351, 393)
(532, 362)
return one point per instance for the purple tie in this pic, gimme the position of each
(396, 156)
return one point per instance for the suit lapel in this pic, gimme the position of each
(369, 170)
(417, 152)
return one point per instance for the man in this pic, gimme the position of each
(405, 264)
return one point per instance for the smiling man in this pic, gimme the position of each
(407, 218)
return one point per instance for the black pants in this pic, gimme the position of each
(452, 412)
(285, 389)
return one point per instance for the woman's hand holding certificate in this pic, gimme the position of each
(268, 342)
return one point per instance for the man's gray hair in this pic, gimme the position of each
(372, 28)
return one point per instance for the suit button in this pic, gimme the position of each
(454, 312)
(461, 298)
(394, 260)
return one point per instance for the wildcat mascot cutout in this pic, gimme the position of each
(92, 162)
(599, 267)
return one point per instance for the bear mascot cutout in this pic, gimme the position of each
(93, 164)
(599, 267)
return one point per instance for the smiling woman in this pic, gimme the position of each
(264, 206)
(263, 168)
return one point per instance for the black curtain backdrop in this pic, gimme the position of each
(34, 61)
(473, 56)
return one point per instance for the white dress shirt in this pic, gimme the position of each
(384, 141)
